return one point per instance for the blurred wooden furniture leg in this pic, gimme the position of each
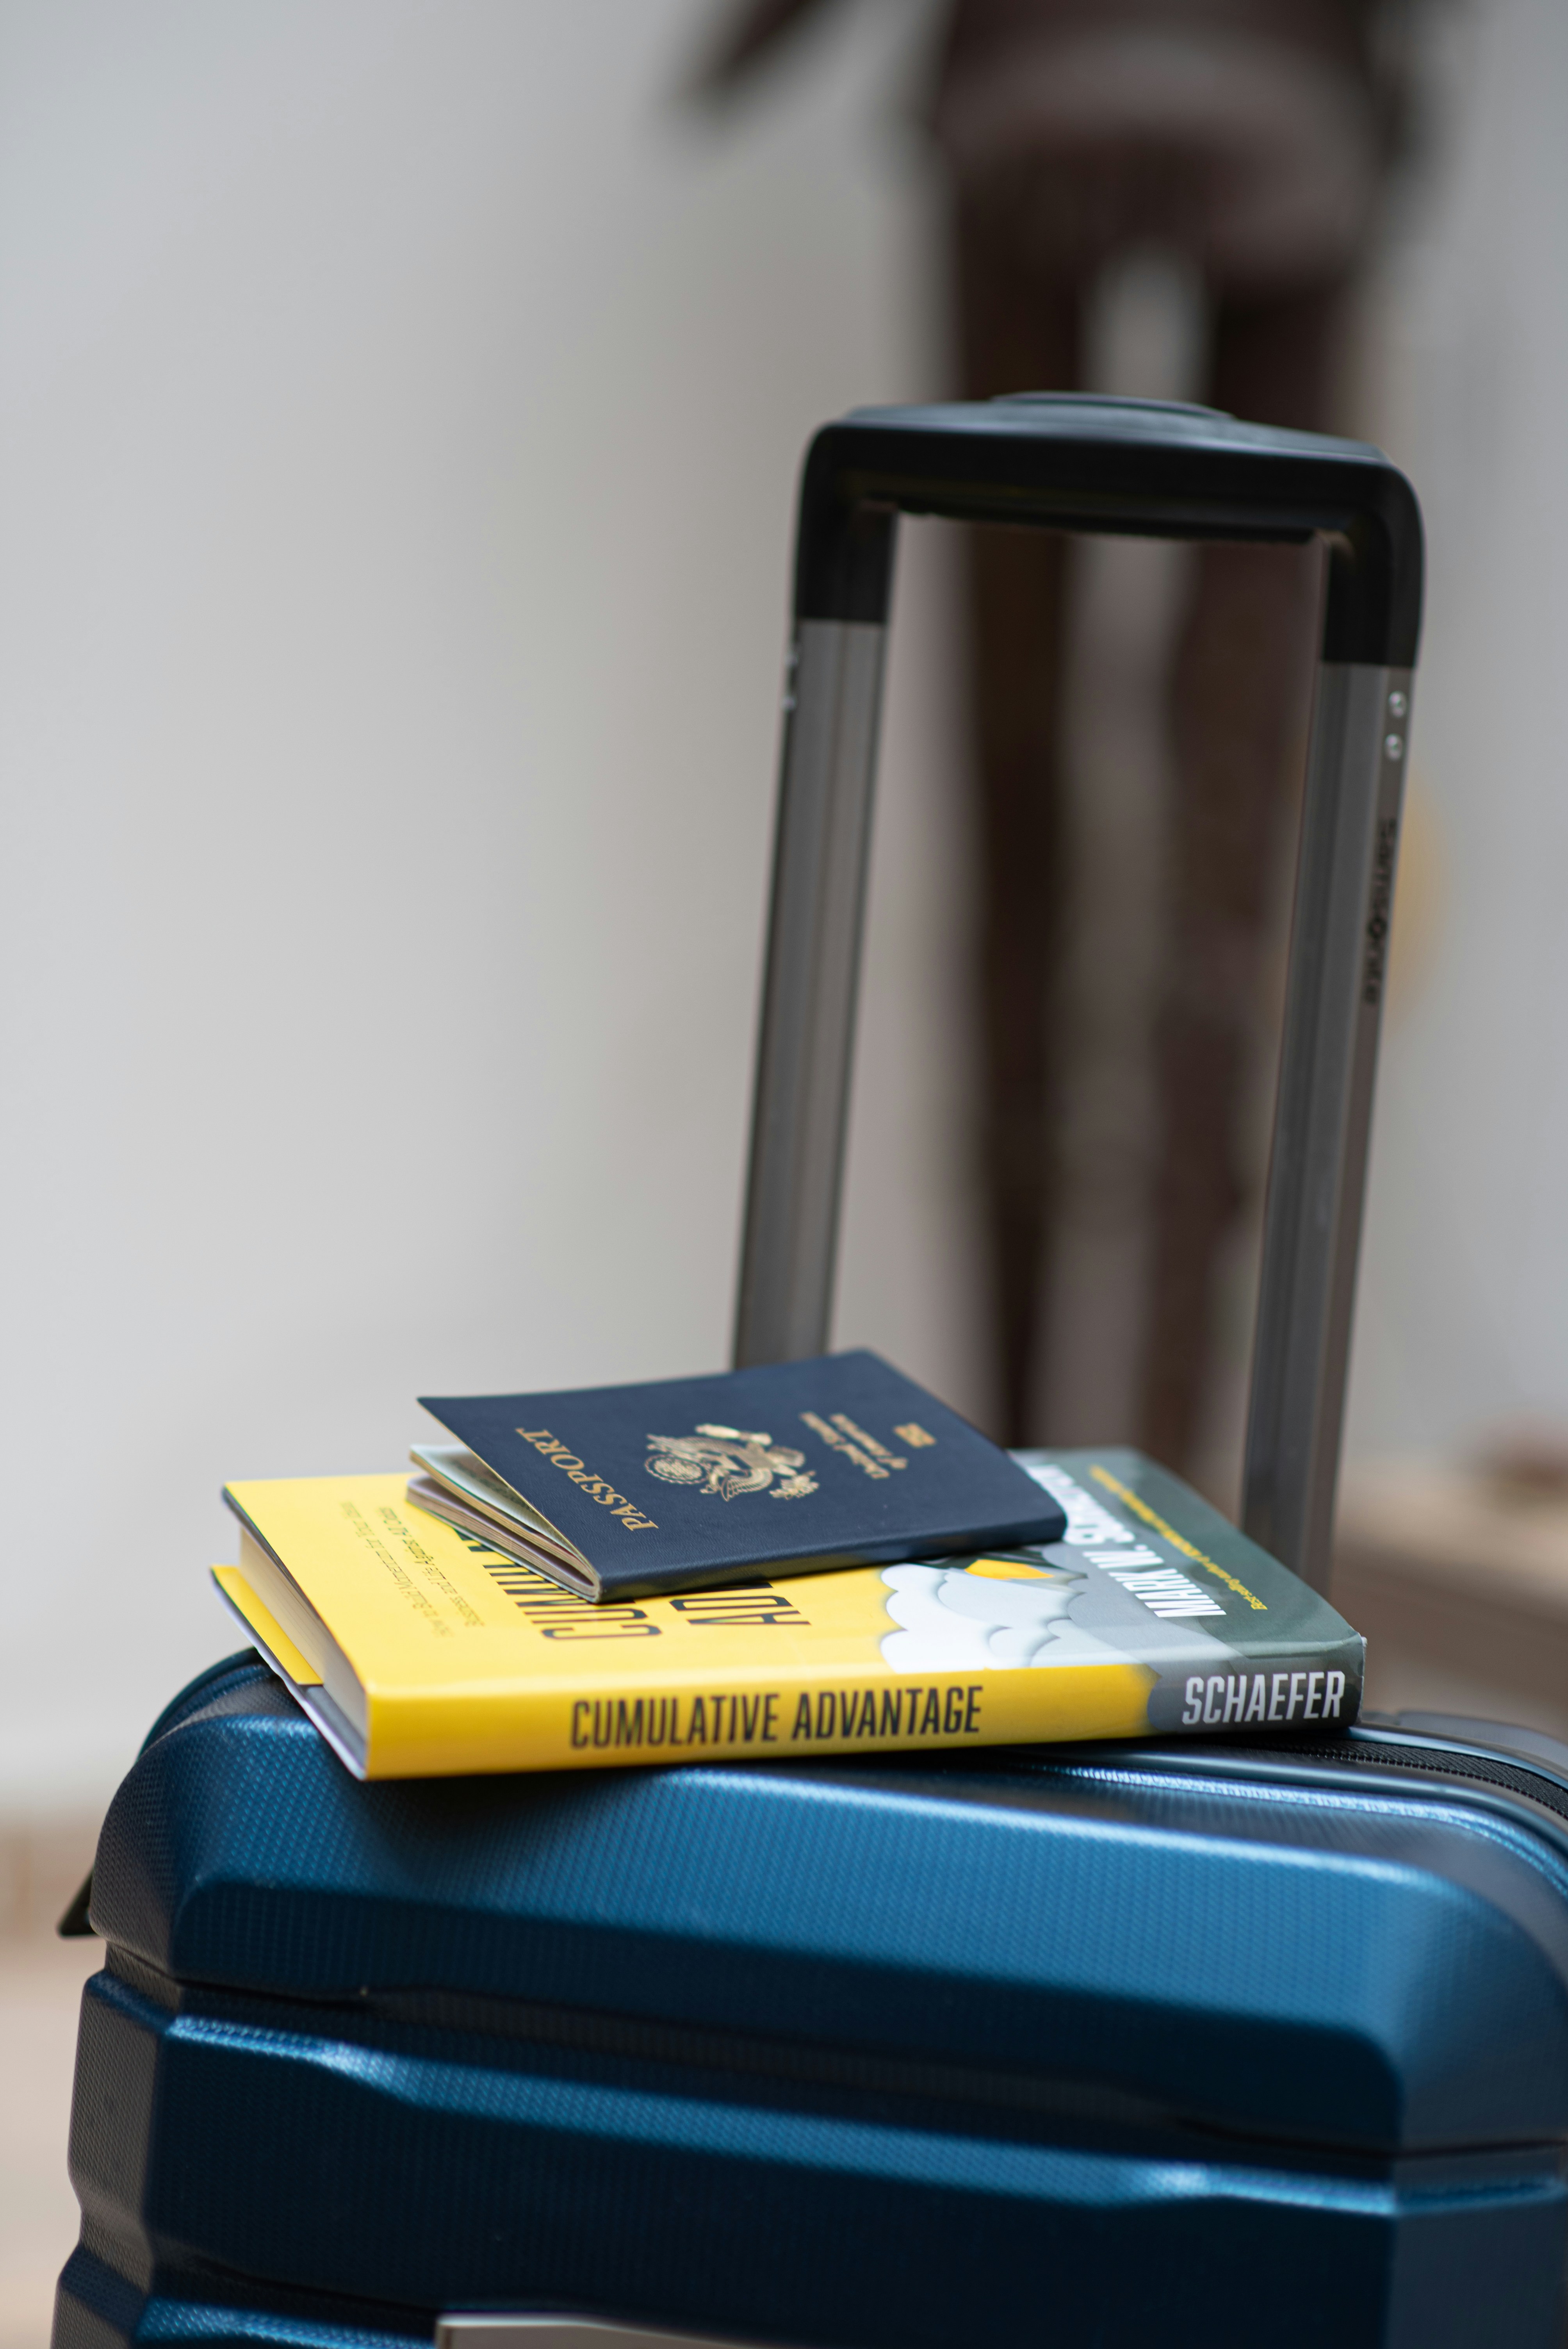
(1018, 331)
(1241, 690)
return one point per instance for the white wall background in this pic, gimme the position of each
(400, 411)
(399, 407)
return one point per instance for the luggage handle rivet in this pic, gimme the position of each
(1392, 746)
(1398, 705)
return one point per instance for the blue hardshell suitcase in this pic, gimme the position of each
(1203, 2044)
(1210, 2043)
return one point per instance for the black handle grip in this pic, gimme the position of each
(1142, 468)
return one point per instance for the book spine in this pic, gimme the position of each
(748, 1718)
(813, 1714)
(1317, 1689)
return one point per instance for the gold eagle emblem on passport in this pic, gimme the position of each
(729, 1461)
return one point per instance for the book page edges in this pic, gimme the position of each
(465, 1473)
(334, 1676)
(280, 1649)
(582, 1581)
(310, 1695)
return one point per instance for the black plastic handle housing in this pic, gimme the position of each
(1139, 468)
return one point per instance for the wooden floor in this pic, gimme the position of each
(42, 1862)
(40, 1990)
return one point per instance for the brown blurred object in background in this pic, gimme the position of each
(1457, 1572)
(1250, 138)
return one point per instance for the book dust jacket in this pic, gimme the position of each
(418, 1650)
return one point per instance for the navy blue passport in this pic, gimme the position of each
(789, 1468)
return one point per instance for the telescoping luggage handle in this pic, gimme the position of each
(1142, 468)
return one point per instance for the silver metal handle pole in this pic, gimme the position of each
(1311, 1226)
(821, 855)
(1145, 468)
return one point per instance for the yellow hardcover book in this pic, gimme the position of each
(419, 1651)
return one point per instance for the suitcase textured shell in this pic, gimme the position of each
(1198, 2046)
